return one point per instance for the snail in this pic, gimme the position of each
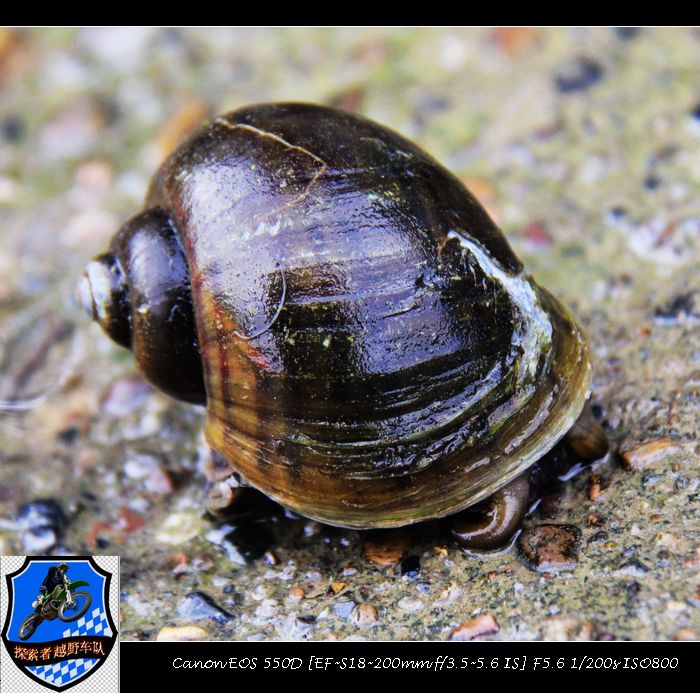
(370, 351)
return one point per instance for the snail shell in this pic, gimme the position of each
(370, 351)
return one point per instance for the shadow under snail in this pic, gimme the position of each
(370, 351)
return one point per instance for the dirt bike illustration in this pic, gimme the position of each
(62, 602)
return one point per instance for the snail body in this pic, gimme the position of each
(370, 351)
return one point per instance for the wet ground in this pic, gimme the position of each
(585, 147)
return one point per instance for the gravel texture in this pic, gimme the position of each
(584, 145)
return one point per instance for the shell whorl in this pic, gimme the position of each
(373, 352)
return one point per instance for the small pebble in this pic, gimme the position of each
(43, 523)
(485, 624)
(695, 113)
(179, 562)
(537, 235)
(338, 587)
(626, 33)
(39, 540)
(633, 568)
(679, 308)
(595, 520)
(686, 634)
(41, 513)
(617, 213)
(344, 609)
(69, 435)
(148, 469)
(296, 594)
(652, 182)
(578, 74)
(366, 614)
(267, 609)
(551, 548)
(311, 528)
(514, 40)
(641, 455)
(567, 628)
(9, 41)
(598, 538)
(179, 528)
(410, 605)
(12, 128)
(181, 634)
(594, 488)
(198, 605)
(129, 520)
(159, 482)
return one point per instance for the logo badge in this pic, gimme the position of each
(58, 628)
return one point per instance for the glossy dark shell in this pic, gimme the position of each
(374, 354)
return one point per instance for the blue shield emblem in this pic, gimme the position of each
(65, 637)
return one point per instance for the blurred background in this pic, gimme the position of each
(584, 146)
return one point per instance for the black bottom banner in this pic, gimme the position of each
(204, 662)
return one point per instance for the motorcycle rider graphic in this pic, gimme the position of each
(54, 578)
